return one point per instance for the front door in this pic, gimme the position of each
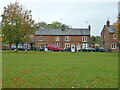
(72, 48)
(78, 47)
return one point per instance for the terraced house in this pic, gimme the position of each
(76, 38)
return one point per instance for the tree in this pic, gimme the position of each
(0, 29)
(98, 40)
(53, 25)
(117, 25)
(93, 40)
(41, 25)
(17, 24)
(56, 25)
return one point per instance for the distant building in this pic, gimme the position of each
(63, 38)
(108, 40)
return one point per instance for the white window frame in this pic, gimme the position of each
(83, 38)
(85, 45)
(67, 37)
(114, 36)
(13, 45)
(39, 38)
(27, 45)
(40, 45)
(68, 44)
(58, 44)
(113, 46)
(45, 45)
(57, 38)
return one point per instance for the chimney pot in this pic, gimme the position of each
(89, 27)
(108, 23)
(63, 27)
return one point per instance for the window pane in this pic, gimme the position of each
(46, 45)
(57, 38)
(40, 38)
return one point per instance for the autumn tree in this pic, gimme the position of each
(117, 25)
(17, 24)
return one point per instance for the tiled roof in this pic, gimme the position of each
(111, 29)
(60, 32)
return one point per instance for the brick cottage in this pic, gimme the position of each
(108, 40)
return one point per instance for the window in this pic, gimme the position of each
(40, 45)
(40, 38)
(113, 46)
(58, 45)
(84, 39)
(19, 44)
(84, 46)
(57, 38)
(67, 45)
(67, 38)
(3, 44)
(26, 45)
(46, 45)
(114, 36)
(13, 45)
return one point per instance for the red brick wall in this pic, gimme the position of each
(52, 40)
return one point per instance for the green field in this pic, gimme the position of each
(59, 70)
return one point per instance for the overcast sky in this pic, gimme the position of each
(71, 12)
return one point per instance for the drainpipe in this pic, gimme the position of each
(62, 41)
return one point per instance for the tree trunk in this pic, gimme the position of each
(10, 46)
(16, 47)
(93, 45)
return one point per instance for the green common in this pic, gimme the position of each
(59, 69)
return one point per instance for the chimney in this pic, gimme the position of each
(108, 23)
(63, 27)
(89, 27)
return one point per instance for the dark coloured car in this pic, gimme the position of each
(101, 49)
(21, 48)
(54, 48)
(87, 49)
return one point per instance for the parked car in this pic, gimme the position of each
(87, 49)
(101, 49)
(54, 48)
(97, 49)
(21, 48)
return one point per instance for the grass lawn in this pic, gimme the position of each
(59, 70)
